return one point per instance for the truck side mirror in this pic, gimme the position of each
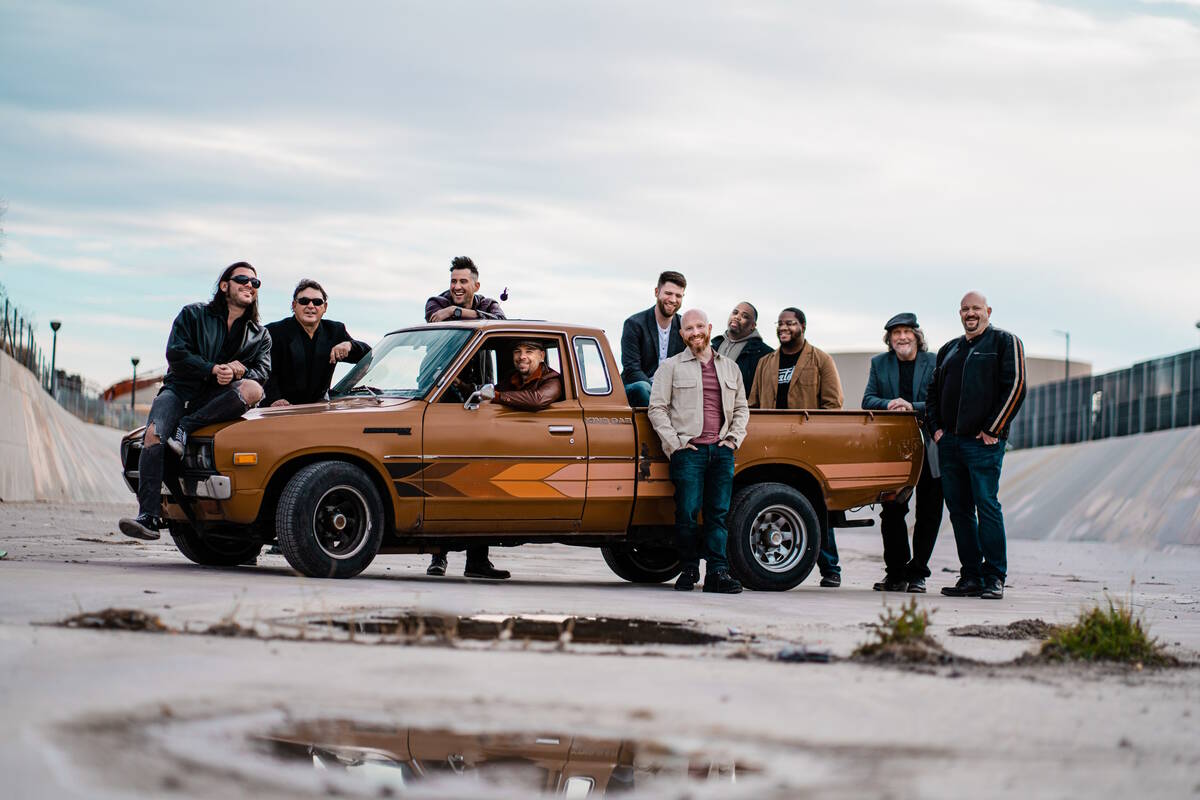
(482, 394)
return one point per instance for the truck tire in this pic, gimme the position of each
(329, 521)
(211, 552)
(642, 564)
(774, 537)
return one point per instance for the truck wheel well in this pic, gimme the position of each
(800, 479)
(266, 513)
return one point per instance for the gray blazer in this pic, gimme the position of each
(883, 385)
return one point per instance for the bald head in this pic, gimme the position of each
(693, 313)
(974, 312)
(696, 331)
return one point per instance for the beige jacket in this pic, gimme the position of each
(815, 381)
(677, 401)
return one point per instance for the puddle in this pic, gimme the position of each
(383, 760)
(533, 628)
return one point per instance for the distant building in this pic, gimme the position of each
(147, 388)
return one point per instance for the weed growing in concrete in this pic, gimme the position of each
(901, 626)
(900, 637)
(1112, 634)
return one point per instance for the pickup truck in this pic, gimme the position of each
(407, 457)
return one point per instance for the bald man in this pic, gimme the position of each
(978, 387)
(698, 409)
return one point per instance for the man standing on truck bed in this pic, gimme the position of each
(460, 301)
(698, 409)
(899, 381)
(798, 376)
(650, 337)
(306, 347)
(742, 341)
(978, 387)
(218, 358)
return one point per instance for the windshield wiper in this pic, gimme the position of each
(375, 393)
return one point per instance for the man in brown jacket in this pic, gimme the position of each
(533, 386)
(798, 375)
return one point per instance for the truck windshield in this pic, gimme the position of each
(404, 364)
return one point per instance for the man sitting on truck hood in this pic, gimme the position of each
(698, 409)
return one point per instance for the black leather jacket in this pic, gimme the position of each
(993, 385)
(197, 336)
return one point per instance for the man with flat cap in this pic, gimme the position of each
(899, 381)
(533, 386)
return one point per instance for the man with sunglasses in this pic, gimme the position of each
(218, 358)
(306, 347)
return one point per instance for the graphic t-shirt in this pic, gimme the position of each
(787, 365)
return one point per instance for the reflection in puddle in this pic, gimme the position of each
(533, 627)
(387, 760)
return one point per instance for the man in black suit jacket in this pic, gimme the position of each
(650, 337)
(306, 347)
(900, 381)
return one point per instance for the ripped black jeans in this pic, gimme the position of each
(170, 411)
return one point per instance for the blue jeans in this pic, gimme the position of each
(970, 482)
(827, 558)
(638, 393)
(703, 481)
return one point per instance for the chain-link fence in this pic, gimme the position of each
(81, 397)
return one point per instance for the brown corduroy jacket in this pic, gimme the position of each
(815, 382)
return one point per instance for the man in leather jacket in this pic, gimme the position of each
(461, 300)
(218, 358)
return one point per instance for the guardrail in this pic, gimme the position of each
(1154, 395)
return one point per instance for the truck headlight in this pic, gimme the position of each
(199, 456)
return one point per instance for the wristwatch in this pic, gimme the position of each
(457, 312)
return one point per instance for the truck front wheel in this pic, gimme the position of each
(643, 564)
(774, 536)
(329, 521)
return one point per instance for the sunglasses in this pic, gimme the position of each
(242, 280)
(316, 301)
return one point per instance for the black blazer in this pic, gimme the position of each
(883, 385)
(290, 376)
(639, 346)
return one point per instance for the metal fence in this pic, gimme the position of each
(1150, 396)
(82, 398)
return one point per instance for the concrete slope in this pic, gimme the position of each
(48, 454)
(1142, 490)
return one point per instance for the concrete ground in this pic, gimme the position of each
(123, 714)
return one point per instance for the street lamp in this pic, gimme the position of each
(133, 386)
(54, 326)
(1067, 361)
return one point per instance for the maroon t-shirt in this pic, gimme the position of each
(713, 415)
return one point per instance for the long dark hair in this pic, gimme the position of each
(221, 306)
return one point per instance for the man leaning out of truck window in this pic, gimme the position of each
(698, 409)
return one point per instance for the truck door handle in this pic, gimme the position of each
(563, 429)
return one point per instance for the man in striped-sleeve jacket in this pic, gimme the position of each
(978, 386)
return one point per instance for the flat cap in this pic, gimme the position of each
(907, 318)
(537, 344)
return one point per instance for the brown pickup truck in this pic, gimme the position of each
(406, 457)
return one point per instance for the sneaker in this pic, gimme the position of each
(143, 526)
(485, 570)
(721, 582)
(831, 581)
(966, 587)
(178, 442)
(889, 585)
(917, 586)
(993, 588)
(687, 579)
(437, 565)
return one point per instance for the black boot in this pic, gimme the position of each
(687, 579)
(437, 565)
(965, 587)
(721, 582)
(484, 569)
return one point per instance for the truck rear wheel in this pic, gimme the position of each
(211, 552)
(329, 521)
(645, 564)
(774, 537)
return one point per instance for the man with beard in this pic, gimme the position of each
(797, 376)
(698, 409)
(461, 300)
(899, 381)
(978, 387)
(650, 337)
(306, 347)
(218, 358)
(742, 342)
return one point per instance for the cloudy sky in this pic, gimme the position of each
(855, 159)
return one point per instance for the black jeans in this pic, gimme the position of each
(171, 411)
(894, 527)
